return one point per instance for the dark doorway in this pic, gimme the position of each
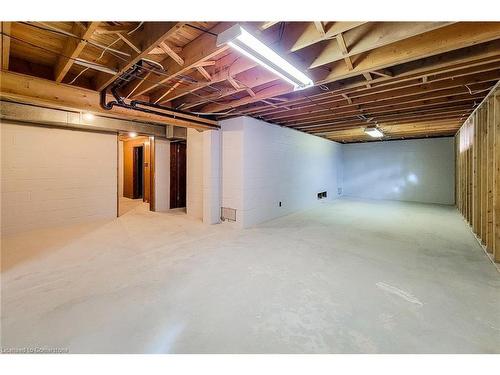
(177, 174)
(138, 172)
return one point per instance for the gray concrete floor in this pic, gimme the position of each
(350, 276)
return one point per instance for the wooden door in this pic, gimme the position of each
(177, 174)
(138, 175)
(147, 172)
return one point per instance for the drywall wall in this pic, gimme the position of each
(264, 165)
(56, 177)
(421, 170)
(162, 175)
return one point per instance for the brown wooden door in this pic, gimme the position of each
(146, 196)
(177, 174)
(138, 175)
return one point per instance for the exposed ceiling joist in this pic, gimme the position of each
(371, 36)
(73, 48)
(439, 41)
(152, 35)
(5, 46)
(52, 94)
(201, 49)
(172, 53)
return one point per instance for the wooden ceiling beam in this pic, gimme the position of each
(370, 36)
(148, 37)
(445, 87)
(29, 89)
(204, 73)
(451, 63)
(435, 107)
(405, 78)
(248, 79)
(172, 53)
(113, 29)
(345, 52)
(350, 123)
(428, 44)
(440, 103)
(267, 25)
(5, 45)
(304, 34)
(320, 27)
(199, 50)
(439, 41)
(129, 42)
(402, 131)
(229, 65)
(72, 49)
(358, 123)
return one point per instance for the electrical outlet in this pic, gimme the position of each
(279, 204)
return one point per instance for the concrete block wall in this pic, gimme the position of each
(162, 175)
(56, 177)
(420, 170)
(120, 168)
(194, 174)
(264, 165)
(211, 176)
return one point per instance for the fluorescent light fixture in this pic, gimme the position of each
(374, 132)
(132, 134)
(241, 40)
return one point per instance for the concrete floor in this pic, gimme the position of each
(348, 277)
(126, 204)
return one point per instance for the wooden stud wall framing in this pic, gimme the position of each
(478, 172)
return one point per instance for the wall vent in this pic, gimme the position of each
(228, 214)
(322, 195)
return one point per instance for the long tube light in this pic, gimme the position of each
(374, 132)
(244, 42)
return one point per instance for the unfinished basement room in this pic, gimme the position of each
(250, 187)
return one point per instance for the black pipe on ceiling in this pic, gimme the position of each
(137, 105)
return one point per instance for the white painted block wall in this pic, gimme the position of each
(211, 176)
(421, 170)
(56, 177)
(121, 163)
(264, 164)
(162, 175)
(194, 174)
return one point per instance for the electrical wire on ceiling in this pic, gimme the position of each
(201, 29)
(183, 78)
(111, 51)
(97, 66)
(104, 51)
(477, 91)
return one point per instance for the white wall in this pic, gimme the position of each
(162, 175)
(194, 174)
(421, 170)
(56, 177)
(211, 176)
(121, 162)
(264, 164)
